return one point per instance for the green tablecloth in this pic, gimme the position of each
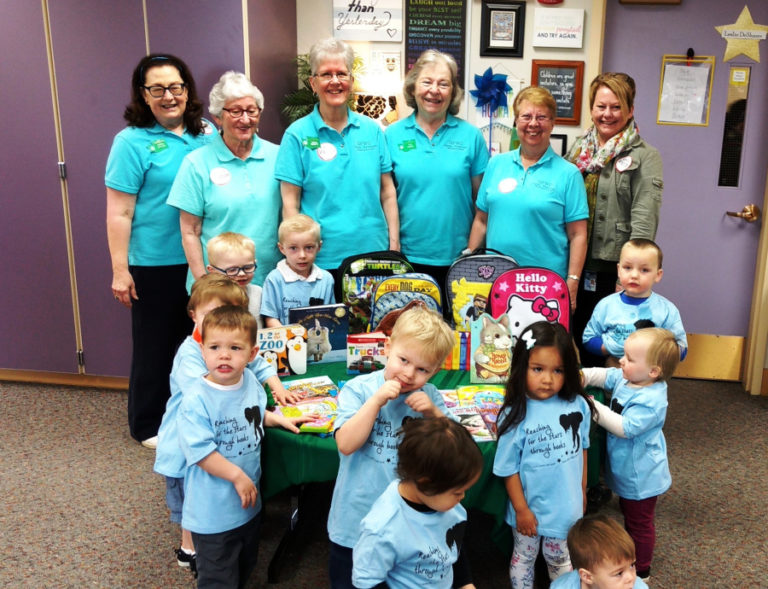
(290, 459)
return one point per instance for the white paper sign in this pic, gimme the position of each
(683, 94)
(368, 20)
(558, 27)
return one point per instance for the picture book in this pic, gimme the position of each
(285, 348)
(481, 396)
(365, 352)
(471, 419)
(312, 387)
(491, 345)
(322, 408)
(450, 398)
(327, 328)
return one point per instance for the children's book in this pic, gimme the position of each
(481, 396)
(365, 352)
(285, 348)
(327, 328)
(324, 408)
(450, 398)
(312, 387)
(471, 419)
(461, 354)
(491, 349)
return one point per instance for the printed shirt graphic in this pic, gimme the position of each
(364, 474)
(407, 548)
(229, 421)
(546, 449)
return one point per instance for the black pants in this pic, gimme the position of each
(585, 304)
(227, 559)
(159, 323)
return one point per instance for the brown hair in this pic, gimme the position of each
(216, 286)
(621, 84)
(231, 318)
(598, 539)
(641, 243)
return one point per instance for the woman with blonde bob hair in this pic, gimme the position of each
(544, 224)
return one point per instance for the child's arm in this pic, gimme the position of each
(594, 377)
(275, 419)
(584, 474)
(215, 464)
(282, 395)
(271, 321)
(526, 520)
(354, 432)
(609, 420)
(420, 401)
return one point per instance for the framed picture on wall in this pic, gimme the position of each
(502, 28)
(564, 81)
(559, 143)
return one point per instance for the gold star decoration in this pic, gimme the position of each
(743, 37)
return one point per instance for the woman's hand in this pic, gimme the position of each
(120, 209)
(123, 287)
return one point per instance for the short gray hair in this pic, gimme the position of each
(433, 57)
(231, 86)
(327, 48)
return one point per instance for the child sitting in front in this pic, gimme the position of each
(221, 427)
(234, 255)
(412, 535)
(208, 292)
(635, 307)
(637, 469)
(603, 557)
(296, 281)
(543, 429)
(372, 407)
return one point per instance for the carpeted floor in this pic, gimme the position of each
(81, 506)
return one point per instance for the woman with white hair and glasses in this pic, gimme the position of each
(335, 167)
(230, 185)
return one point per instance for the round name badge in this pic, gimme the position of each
(326, 151)
(220, 176)
(623, 163)
(507, 185)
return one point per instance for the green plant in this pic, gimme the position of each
(300, 102)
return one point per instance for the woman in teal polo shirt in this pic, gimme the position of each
(230, 185)
(438, 162)
(148, 266)
(334, 165)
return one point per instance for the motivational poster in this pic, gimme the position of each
(368, 20)
(558, 27)
(435, 24)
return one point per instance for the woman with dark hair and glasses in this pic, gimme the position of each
(148, 265)
(230, 185)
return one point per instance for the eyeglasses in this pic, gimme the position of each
(528, 118)
(159, 91)
(236, 113)
(442, 84)
(235, 270)
(328, 76)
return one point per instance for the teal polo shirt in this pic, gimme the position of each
(143, 161)
(434, 182)
(231, 194)
(340, 178)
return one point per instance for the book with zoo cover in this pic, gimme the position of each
(284, 347)
(327, 327)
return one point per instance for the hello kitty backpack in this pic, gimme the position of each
(527, 295)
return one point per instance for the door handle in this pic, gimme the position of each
(750, 213)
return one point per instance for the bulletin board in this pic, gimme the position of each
(685, 90)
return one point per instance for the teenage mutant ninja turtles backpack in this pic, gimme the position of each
(358, 277)
(396, 292)
(468, 284)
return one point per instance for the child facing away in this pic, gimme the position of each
(234, 255)
(413, 534)
(635, 306)
(543, 430)
(603, 557)
(637, 469)
(372, 407)
(221, 426)
(296, 281)
(208, 292)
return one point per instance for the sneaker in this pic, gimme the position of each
(187, 561)
(150, 443)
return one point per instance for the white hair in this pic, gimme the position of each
(231, 86)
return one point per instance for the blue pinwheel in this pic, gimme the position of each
(491, 95)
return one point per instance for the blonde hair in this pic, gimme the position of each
(231, 318)
(230, 243)
(537, 96)
(598, 539)
(216, 286)
(426, 328)
(298, 224)
(663, 350)
(621, 84)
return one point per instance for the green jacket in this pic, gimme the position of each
(628, 201)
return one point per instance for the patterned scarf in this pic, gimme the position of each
(591, 159)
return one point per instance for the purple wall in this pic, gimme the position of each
(709, 258)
